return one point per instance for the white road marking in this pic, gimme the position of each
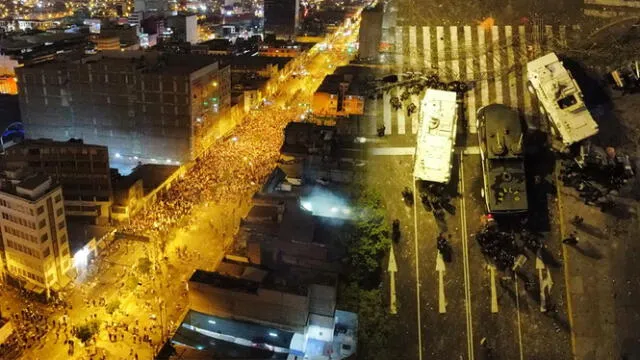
(413, 51)
(494, 291)
(415, 118)
(562, 33)
(520, 346)
(536, 39)
(511, 79)
(417, 269)
(497, 63)
(440, 48)
(465, 261)
(455, 61)
(399, 49)
(426, 46)
(392, 269)
(400, 117)
(482, 56)
(471, 150)
(528, 111)
(390, 151)
(543, 299)
(470, 108)
(386, 112)
(440, 268)
(548, 37)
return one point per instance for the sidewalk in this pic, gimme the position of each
(602, 281)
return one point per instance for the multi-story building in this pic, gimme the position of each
(81, 169)
(340, 94)
(183, 28)
(280, 49)
(144, 106)
(107, 43)
(281, 18)
(370, 32)
(34, 233)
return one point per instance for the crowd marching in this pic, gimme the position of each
(230, 168)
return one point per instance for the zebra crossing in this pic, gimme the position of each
(492, 60)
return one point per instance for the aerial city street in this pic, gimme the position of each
(317, 179)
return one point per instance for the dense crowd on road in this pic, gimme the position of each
(29, 328)
(230, 168)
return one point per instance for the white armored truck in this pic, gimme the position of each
(561, 102)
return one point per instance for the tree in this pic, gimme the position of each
(144, 265)
(86, 331)
(369, 240)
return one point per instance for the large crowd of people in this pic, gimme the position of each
(229, 169)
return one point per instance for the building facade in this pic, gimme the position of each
(144, 106)
(370, 32)
(281, 18)
(183, 28)
(34, 233)
(340, 94)
(81, 169)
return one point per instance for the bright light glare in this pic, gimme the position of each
(81, 258)
(272, 334)
(361, 140)
(307, 205)
(118, 155)
(234, 139)
(211, 322)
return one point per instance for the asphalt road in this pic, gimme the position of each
(474, 302)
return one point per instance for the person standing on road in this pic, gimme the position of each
(572, 239)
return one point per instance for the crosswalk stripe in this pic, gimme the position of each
(415, 118)
(413, 52)
(455, 61)
(548, 37)
(470, 98)
(440, 48)
(386, 112)
(400, 118)
(513, 93)
(482, 55)
(426, 44)
(562, 34)
(495, 42)
(492, 60)
(399, 48)
(527, 99)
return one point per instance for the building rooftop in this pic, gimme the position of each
(30, 188)
(225, 281)
(143, 61)
(355, 76)
(30, 41)
(152, 175)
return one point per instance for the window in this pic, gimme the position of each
(40, 210)
(65, 252)
(42, 224)
(59, 212)
(46, 253)
(63, 239)
(58, 198)
(61, 225)
(44, 237)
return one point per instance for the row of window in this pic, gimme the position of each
(62, 151)
(25, 249)
(20, 208)
(19, 220)
(24, 235)
(22, 272)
